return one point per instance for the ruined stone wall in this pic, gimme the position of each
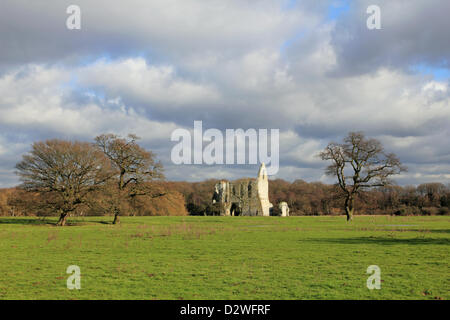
(238, 198)
(247, 197)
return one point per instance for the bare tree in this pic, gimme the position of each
(432, 191)
(134, 168)
(66, 171)
(359, 164)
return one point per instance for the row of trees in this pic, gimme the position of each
(116, 176)
(18, 202)
(110, 175)
(316, 198)
(194, 198)
(363, 170)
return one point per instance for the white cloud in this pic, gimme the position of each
(133, 77)
(46, 99)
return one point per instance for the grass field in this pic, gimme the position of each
(226, 258)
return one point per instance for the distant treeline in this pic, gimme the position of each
(18, 202)
(194, 198)
(317, 198)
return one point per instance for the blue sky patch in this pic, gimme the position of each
(337, 8)
(440, 74)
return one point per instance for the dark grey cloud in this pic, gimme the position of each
(413, 32)
(163, 30)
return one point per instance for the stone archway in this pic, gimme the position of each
(235, 210)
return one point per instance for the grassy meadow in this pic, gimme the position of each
(226, 257)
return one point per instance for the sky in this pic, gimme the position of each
(311, 69)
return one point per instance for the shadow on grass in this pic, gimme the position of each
(382, 241)
(440, 230)
(48, 222)
(27, 221)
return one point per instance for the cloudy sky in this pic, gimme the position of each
(309, 68)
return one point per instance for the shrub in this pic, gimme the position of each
(407, 211)
(430, 211)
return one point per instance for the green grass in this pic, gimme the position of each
(226, 258)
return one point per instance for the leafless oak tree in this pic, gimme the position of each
(359, 163)
(134, 168)
(66, 171)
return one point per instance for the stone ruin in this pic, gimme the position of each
(248, 197)
(284, 209)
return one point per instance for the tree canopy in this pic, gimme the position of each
(359, 163)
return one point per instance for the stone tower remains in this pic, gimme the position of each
(247, 197)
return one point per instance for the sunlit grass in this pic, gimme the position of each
(226, 258)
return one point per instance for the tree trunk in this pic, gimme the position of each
(349, 207)
(116, 218)
(62, 220)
